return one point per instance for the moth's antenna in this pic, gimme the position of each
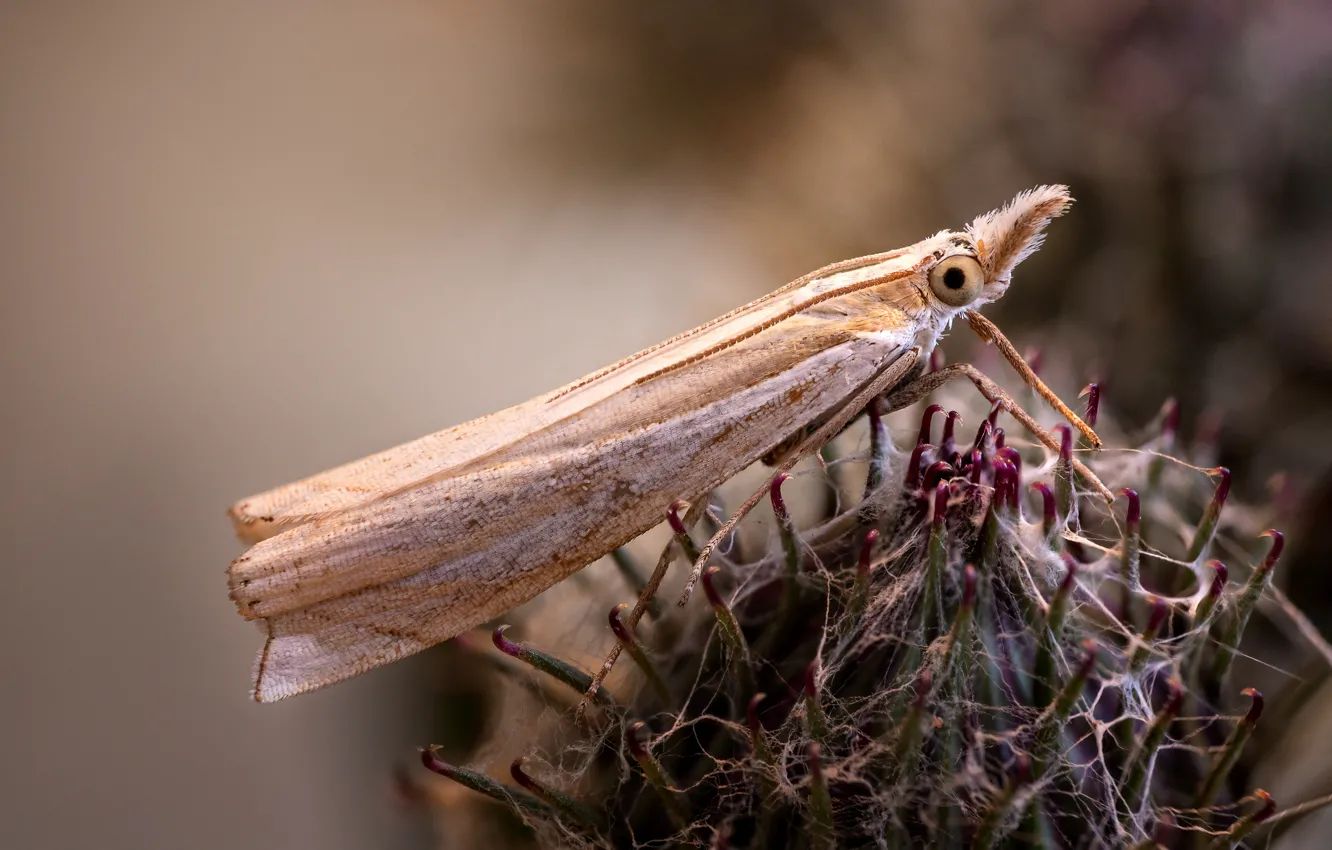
(987, 331)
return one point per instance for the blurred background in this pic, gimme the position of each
(242, 242)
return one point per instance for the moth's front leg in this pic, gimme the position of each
(906, 394)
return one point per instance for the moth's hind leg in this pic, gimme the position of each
(906, 394)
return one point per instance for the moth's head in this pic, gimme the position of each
(974, 267)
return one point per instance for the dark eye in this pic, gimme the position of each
(957, 280)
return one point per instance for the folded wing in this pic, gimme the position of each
(384, 578)
(470, 445)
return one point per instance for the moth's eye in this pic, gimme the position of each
(957, 281)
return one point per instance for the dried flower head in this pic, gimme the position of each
(964, 647)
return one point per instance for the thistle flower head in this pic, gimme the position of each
(925, 662)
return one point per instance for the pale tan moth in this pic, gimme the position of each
(383, 557)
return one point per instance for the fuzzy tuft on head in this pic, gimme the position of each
(1009, 235)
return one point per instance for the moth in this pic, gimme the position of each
(386, 556)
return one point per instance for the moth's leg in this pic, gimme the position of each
(909, 394)
(987, 331)
(691, 516)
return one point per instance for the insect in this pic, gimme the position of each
(385, 556)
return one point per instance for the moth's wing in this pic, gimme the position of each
(470, 445)
(426, 524)
(347, 593)
(360, 482)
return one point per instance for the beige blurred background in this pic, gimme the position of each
(241, 242)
